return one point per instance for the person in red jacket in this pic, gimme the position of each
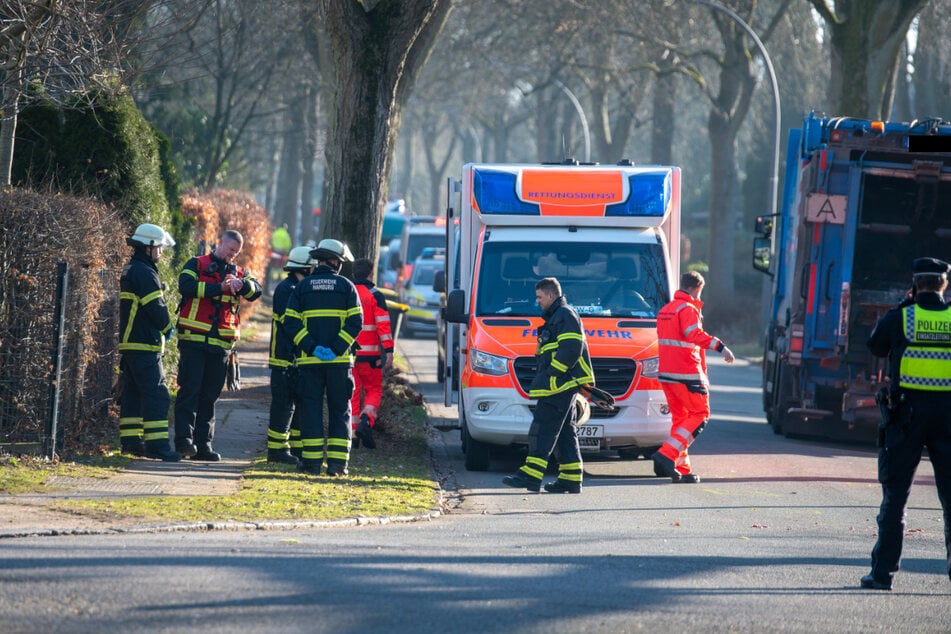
(374, 354)
(682, 345)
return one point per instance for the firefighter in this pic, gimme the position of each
(144, 328)
(374, 354)
(323, 319)
(283, 434)
(563, 365)
(211, 287)
(916, 339)
(682, 344)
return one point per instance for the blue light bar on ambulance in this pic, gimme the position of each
(649, 195)
(495, 194)
(593, 193)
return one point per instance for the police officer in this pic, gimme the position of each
(562, 367)
(211, 287)
(323, 318)
(916, 338)
(283, 433)
(144, 328)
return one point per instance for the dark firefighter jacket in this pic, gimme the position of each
(561, 357)
(143, 316)
(323, 310)
(282, 348)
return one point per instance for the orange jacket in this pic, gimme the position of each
(682, 342)
(375, 336)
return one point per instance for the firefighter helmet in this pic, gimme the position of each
(149, 235)
(330, 248)
(299, 259)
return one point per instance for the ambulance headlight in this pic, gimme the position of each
(486, 363)
(649, 367)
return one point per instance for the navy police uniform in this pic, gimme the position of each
(916, 339)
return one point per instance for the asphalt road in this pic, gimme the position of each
(775, 538)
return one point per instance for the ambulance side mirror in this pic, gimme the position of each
(456, 307)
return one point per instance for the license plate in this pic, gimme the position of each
(591, 431)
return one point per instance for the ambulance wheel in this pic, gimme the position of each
(477, 452)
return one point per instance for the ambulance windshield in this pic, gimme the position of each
(598, 280)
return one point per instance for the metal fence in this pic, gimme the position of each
(57, 357)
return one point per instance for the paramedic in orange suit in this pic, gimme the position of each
(682, 345)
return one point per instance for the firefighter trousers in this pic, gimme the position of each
(923, 420)
(689, 412)
(553, 430)
(368, 383)
(201, 377)
(284, 417)
(315, 382)
(143, 409)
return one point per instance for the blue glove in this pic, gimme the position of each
(170, 334)
(324, 354)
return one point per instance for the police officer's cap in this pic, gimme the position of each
(930, 266)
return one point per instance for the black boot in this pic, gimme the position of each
(563, 486)
(133, 446)
(281, 456)
(187, 449)
(521, 481)
(365, 432)
(159, 450)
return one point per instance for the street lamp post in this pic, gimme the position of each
(774, 180)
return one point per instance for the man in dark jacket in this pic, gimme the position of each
(562, 367)
(144, 327)
(211, 287)
(916, 339)
(283, 432)
(323, 319)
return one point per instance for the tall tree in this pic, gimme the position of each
(866, 37)
(376, 49)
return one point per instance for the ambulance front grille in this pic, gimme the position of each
(610, 374)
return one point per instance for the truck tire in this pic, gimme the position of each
(478, 453)
(440, 370)
(782, 400)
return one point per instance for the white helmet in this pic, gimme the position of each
(330, 248)
(299, 258)
(150, 235)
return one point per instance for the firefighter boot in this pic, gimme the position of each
(281, 456)
(134, 446)
(521, 481)
(563, 486)
(159, 450)
(365, 432)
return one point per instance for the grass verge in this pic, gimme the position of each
(32, 475)
(393, 479)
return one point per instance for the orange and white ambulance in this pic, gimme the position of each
(611, 236)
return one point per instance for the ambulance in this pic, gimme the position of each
(611, 236)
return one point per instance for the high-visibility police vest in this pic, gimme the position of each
(206, 319)
(926, 362)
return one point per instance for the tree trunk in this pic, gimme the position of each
(291, 171)
(377, 50)
(866, 38)
(664, 119)
(309, 166)
(8, 130)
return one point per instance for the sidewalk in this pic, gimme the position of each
(240, 436)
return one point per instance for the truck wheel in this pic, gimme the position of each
(781, 399)
(440, 370)
(477, 452)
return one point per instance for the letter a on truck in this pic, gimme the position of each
(611, 236)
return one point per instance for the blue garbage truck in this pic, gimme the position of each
(861, 200)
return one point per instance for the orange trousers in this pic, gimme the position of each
(689, 411)
(368, 384)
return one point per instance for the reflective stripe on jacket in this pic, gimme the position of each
(682, 342)
(207, 315)
(926, 361)
(143, 315)
(375, 337)
(562, 361)
(323, 310)
(282, 348)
